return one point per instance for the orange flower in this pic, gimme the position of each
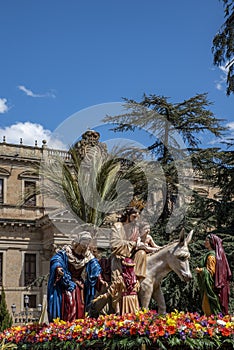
(225, 332)
(108, 323)
(161, 331)
(210, 331)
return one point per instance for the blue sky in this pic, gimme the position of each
(60, 57)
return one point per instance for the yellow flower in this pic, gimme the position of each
(176, 312)
(229, 324)
(144, 310)
(171, 322)
(198, 326)
(57, 321)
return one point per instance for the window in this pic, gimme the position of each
(30, 190)
(29, 268)
(1, 191)
(1, 268)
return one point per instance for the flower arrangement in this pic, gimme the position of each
(176, 330)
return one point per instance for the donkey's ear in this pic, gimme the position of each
(189, 237)
(182, 237)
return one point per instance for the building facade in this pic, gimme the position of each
(27, 235)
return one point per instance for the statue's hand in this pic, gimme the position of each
(140, 245)
(104, 283)
(198, 269)
(60, 271)
(80, 284)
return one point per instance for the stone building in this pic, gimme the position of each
(30, 231)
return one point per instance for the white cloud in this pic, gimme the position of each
(231, 126)
(231, 130)
(29, 132)
(3, 105)
(221, 83)
(32, 94)
(219, 86)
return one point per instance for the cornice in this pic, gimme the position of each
(18, 159)
(17, 222)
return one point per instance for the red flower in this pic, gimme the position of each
(133, 330)
(171, 329)
(226, 332)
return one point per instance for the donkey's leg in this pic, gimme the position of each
(145, 293)
(159, 298)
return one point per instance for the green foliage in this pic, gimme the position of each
(159, 116)
(4, 345)
(5, 317)
(161, 345)
(117, 343)
(92, 194)
(223, 45)
(128, 344)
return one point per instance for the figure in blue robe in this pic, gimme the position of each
(66, 299)
(57, 286)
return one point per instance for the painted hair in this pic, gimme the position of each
(127, 212)
(81, 238)
(209, 236)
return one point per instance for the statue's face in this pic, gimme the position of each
(133, 217)
(81, 248)
(145, 230)
(207, 243)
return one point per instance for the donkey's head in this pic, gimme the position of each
(178, 257)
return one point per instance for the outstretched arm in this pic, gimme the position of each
(114, 290)
(151, 249)
(151, 242)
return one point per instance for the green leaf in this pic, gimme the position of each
(161, 345)
(173, 341)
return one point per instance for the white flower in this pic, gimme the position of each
(127, 321)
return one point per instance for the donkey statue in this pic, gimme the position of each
(171, 257)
